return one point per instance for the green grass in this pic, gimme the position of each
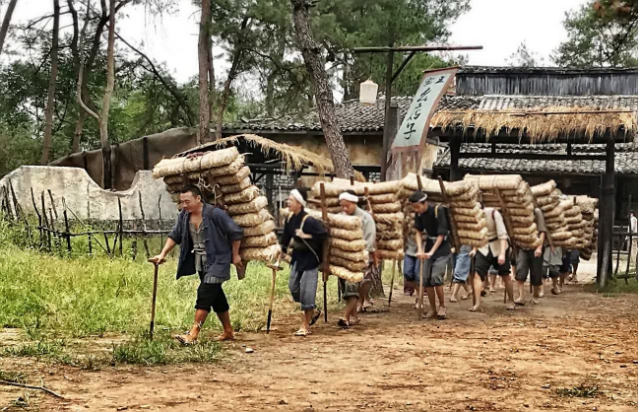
(163, 350)
(614, 287)
(586, 389)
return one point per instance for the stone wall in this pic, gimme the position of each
(85, 198)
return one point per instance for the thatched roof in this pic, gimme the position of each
(264, 150)
(541, 124)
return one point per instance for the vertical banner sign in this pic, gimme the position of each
(412, 134)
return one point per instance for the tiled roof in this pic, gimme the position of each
(354, 117)
(546, 70)
(626, 159)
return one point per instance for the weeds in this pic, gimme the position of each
(587, 389)
(11, 376)
(163, 350)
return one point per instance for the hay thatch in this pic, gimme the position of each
(539, 123)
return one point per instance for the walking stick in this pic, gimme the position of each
(420, 290)
(154, 296)
(393, 275)
(274, 268)
(325, 251)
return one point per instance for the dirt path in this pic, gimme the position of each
(493, 361)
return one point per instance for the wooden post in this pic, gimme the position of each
(67, 232)
(120, 224)
(33, 199)
(46, 222)
(386, 136)
(629, 257)
(53, 205)
(145, 153)
(454, 149)
(325, 249)
(607, 213)
(106, 241)
(160, 218)
(144, 227)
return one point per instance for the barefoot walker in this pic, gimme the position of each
(209, 242)
(305, 236)
(494, 253)
(356, 295)
(435, 251)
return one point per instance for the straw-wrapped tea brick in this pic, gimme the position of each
(347, 245)
(237, 187)
(475, 226)
(348, 264)
(544, 189)
(263, 229)
(395, 233)
(346, 234)
(472, 242)
(393, 207)
(527, 239)
(259, 241)
(383, 187)
(457, 217)
(391, 254)
(228, 170)
(469, 234)
(346, 274)
(464, 204)
(523, 220)
(264, 254)
(360, 256)
(250, 207)
(383, 198)
(490, 182)
(556, 236)
(252, 219)
(244, 196)
(390, 218)
(235, 178)
(391, 244)
(180, 165)
(525, 230)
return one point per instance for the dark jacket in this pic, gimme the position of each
(219, 231)
(304, 258)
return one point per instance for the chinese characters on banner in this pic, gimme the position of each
(412, 134)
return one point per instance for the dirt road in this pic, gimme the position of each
(492, 361)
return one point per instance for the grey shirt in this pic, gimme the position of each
(197, 237)
(410, 245)
(368, 227)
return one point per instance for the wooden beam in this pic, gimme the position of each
(528, 156)
(412, 48)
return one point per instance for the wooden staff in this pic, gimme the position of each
(274, 269)
(509, 224)
(325, 250)
(154, 296)
(421, 277)
(454, 226)
(393, 275)
(373, 215)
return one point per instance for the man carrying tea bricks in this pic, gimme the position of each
(434, 252)
(356, 295)
(495, 254)
(531, 261)
(305, 236)
(209, 242)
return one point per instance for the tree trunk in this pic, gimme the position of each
(48, 111)
(203, 71)
(84, 82)
(6, 21)
(106, 101)
(212, 80)
(320, 85)
(233, 71)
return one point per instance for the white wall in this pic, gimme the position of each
(85, 198)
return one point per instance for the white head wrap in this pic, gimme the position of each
(348, 197)
(296, 195)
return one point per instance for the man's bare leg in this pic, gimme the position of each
(350, 311)
(508, 285)
(563, 276)
(520, 299)
(431, 295)
(227, 329)
(467, 291)
(540, 293)
(554, 286)
(454, 293)
(442, 310)
(492, 283)
(364, 301)
(477, 291)
(198, 321)
(536, 295)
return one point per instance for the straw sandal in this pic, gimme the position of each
(302, 332)
(315, 317)
(186, 339)
(343, 323)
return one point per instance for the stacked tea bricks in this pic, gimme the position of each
(386, 210)
(588, 211)
(348, 256)
(576, 224)
(550, 201)
(470, 224)
(518, 201)
(223, 178)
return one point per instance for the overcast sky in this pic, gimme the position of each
(497, 25)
